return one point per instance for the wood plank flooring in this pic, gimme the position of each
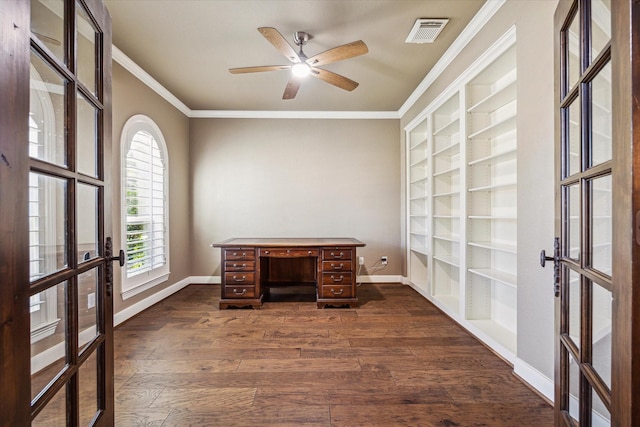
(394, 361)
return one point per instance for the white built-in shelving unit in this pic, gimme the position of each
(462, 199)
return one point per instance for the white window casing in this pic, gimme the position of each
(144, 205)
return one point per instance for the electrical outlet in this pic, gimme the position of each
(360, 260)
(384, 260)
(91, 300)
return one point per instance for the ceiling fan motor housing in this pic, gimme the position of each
(300, 37)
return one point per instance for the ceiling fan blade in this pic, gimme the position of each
(280, 43)
(339, 53)
(334, 79)
(259, 69)
(291, 90)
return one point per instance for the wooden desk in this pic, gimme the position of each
(251, 266)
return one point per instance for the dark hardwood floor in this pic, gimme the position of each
(394, 361)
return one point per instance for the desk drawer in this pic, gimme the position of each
(239, 278)
(337, 278)
(328, 266)
(288, 252)
(239, 254)
(339, 253)
(240, 265)
(239, 291)
(336, 291)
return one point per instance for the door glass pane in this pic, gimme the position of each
(48, 326)
(602, 350)
(601, 116)
(574, 307)
(601, 224)
(600, 25)
(46, 113)
(573, 222)
(88, 378)
(87, 312)
(87, 234)
(87, 130)
(572, 147)
(87, 65)
(47, 24)
(47, 225)
(574, 387)
(573, 43)
(600, 417)
(54, 414)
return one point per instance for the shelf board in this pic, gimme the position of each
(449, 148)
(495, 100)
(419, 250)
(492, 157)
(496, 275)
(419, 143)
(452, 238)
(493, 217)
(449, 129)
(505, 186)
(452, 216)
(503, 247)
(411, 199)
(417, 180)
(496, 129)
(450, 171)
(418, 162)
(455, 262)
(449, 194)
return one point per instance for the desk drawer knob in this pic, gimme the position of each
(340, 255)
(337, 279)
(242, 279)
(235, 291)
(266, 252)
(337, 267)
(337, 293)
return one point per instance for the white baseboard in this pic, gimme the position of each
(534, 378)
(140, 306)
(379, 279)
(205, 280)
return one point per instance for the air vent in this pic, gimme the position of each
(426, 30)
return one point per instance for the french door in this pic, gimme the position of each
(596, 380)
(56, 306)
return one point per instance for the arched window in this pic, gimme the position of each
(145, 205)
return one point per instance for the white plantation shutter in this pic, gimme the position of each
(145, 204)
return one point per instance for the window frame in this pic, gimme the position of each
(134, 285)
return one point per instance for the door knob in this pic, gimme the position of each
(556, 264)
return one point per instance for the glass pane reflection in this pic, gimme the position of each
(87, 312)
(600, 416)
(574, 307)
(87, 128)
(601, 117)
(88, 378)
(573, 148)
(46, 113)
(48, 325)
(573, 222)
(47, 24)
(600, 25)
(573, 43)
(601, 224)
(87, 222)
(47, 225)
(54, 414)
(574, 387)
(602, 350)
(86, 49)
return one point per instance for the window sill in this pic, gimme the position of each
(139, 288)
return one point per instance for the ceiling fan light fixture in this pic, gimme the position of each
(301, 70)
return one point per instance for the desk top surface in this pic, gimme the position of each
(287, 242)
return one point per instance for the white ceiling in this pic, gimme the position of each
(189, 45)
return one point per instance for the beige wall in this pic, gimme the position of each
(297, 177)
(534, 32)
(131, 97)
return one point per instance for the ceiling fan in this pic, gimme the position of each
(302, 66)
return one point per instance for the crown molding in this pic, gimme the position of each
(475, 25)
(469, 32)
